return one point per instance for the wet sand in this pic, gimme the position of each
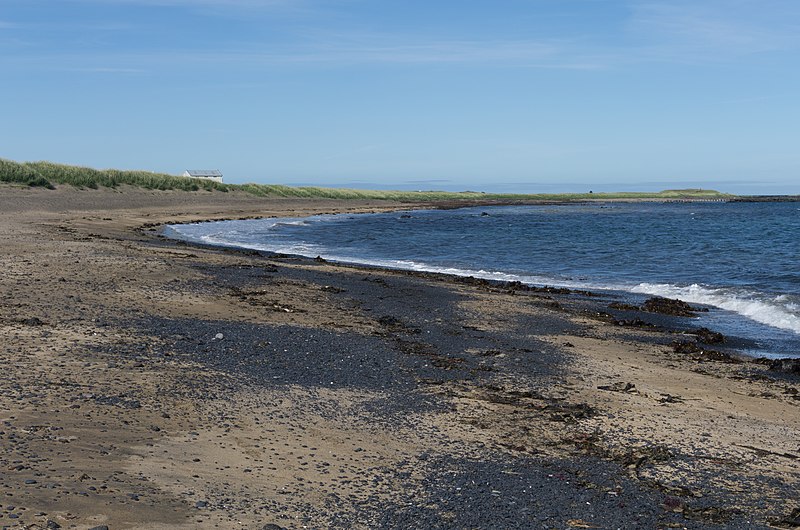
(152, 384)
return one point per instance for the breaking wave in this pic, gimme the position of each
(777, 311)
(742, 261)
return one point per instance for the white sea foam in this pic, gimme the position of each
(775, 311)
(453, 271)
(779, 311)
(296, 248)
(298, 222)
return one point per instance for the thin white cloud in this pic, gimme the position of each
(657, 31)
(341, 52)
(708, 29)
(422, 51)
(106, 70)
(190, 3)
(251, 4)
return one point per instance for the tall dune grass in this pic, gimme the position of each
(47, 174)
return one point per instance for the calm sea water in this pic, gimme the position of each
(741, 258)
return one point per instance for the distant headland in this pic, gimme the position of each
(48, 175)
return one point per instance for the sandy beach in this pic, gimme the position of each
(147, 383)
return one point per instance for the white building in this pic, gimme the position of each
(211, 174)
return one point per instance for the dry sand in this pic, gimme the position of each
(106, 421)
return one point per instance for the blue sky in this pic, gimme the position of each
(503, 95)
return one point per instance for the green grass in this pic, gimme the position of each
(47, 174)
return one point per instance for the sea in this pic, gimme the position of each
(739, 259)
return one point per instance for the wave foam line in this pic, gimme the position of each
(453, 271)
(777, 314)
(763, 311)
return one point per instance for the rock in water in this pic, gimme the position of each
(707, 336)
(786, 365)
(668, 306)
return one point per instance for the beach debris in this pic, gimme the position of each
(580, 523)
(256, 298)
(598, 315)
(673, 504)
(516, 285)
(685, 346)
(766, 452)
(623, 307)
(430, 381)
(219, 336)
(706, 336)
(627, 388)
(787, 365)
(792, 392)
(320, 259)
(635, 458)
(634, 323)
(569, 412)
(552, 304)
(446, 363)
(669, 398)
(711, 514)
(670, 306)
(394, 324)
(663, 306)
(701, 354)
(790, 521)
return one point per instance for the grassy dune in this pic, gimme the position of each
(48, 174)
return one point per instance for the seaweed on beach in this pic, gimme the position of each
(669, 306)
(698, 353)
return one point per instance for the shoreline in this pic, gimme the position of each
(746, 347)
(345, 397)
(657, 322)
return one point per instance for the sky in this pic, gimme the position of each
(495, 95)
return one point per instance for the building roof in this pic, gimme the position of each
(204, 172)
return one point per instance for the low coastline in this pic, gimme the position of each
(343, 396)
(620, 308)
(759, 319)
